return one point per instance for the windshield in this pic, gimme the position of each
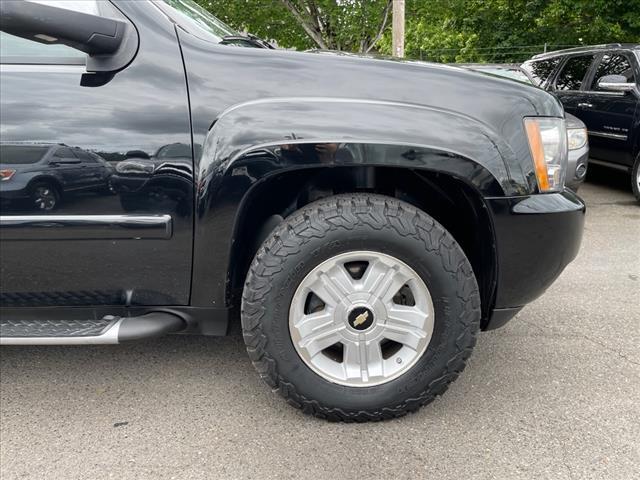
(195, 19)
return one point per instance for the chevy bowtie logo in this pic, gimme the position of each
(360, 319)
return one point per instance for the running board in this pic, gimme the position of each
(108, 330)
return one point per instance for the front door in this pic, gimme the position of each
(126, 238)
(610, 116)
(568, 84)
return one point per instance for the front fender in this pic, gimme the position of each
(254, 140)
(284, 121)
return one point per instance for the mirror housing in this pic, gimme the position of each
(615, 83)
(109, 43)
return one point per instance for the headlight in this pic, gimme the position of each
(577, 138)
(548, 144)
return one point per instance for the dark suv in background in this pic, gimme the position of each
(38, 176)
(599, 85)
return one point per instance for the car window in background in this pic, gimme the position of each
(541, 70)
(175, 150)
(613, 65)
(64, 153)
(12, 46)
(84, 156)
(195, 19)
(21, 154)
(573, 73)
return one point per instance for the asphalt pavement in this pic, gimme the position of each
(554, 394)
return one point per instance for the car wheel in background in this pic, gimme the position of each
(360, 307)
(45, 197)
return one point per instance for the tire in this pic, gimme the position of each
(347, 225)
(635, 178)
(45, 197)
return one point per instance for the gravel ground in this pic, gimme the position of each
(554, 394)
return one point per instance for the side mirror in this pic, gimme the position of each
(615, 83)
(103, 39)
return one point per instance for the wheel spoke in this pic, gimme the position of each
(317, 332)
(333, 285)
(363, 360)
(383, 281)
(406, 325)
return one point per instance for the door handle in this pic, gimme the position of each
(585, 105)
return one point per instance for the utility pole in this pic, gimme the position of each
(398, 28)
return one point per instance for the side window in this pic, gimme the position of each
(84, 156)
(541, 70)
(64, 152)
(613, 65)
(573, 73)
(12, 47)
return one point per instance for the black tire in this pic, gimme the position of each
(336, 225)
(635, 178)
(45, 197)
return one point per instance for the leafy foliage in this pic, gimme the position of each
(349, 25)
(437, 30)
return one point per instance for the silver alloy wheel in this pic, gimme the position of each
(361, 318)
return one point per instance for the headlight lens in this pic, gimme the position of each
(548, 144)
(577, 138)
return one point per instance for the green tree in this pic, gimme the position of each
(512, 30)
(349, 25)
(437, 30)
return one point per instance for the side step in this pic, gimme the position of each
(108, 330)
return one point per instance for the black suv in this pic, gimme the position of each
(363, 233)
(601, 86)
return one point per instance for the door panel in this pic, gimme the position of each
(128, 244)
(611, 116)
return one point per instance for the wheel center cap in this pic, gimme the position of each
(360, 318)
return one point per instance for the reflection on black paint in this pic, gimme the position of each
(142, 108)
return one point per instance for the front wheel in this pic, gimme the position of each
(360, 307)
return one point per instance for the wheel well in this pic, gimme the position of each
(450, 201)
(48, 180)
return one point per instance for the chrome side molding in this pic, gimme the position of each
(85, 227)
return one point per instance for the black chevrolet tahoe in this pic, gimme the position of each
(363, 219)
(601, 86)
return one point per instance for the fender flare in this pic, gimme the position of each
(252, 141)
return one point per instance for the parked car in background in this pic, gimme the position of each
(143, 180)
(600, 85)
(38, 176)
(363, 233)
(578, 158)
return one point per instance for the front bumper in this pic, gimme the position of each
(537, 236)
